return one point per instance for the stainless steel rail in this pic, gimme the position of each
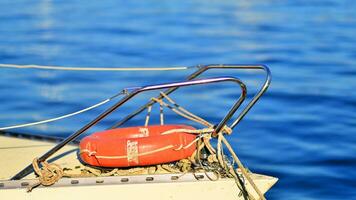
(200, 71)
(136, 91)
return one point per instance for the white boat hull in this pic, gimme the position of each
(16, 153)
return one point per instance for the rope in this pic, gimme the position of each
(241, 185)
(210, 148)
(92, 153)
(219, 151)
(221, 139)
(148, 115)
(243, 170)
(199, 131)
(92, 68)
(161, 115)
(190, 144)
(202, 121)
(182, 113)
(170, 169)
(48, 175)
(96, 173)
(61, 117)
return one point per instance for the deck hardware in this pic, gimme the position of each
(24, 184)
(99, 181)
(124, 180)
(149, 179)
(199, 177)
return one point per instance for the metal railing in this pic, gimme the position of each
(170, 86)
(200, 71)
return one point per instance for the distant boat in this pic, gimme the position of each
(143, 162)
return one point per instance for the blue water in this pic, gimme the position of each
(302, 131)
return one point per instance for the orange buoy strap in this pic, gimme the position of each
(190, 144)
(200, 131)
(92, 153)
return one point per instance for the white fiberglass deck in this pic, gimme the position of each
(16, 153)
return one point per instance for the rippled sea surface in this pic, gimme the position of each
(301, 131)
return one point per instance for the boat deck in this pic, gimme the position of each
(16, 153)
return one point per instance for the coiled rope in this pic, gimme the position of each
(93, 68)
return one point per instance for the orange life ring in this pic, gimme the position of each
(137, 146)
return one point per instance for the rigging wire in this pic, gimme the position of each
(81, 69)
(94, 68)
(63, 116)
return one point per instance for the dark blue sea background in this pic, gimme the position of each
(301, 131)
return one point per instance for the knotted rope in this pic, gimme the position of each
(206, 142)
(47, 175)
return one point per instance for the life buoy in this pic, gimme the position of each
(137, 146)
